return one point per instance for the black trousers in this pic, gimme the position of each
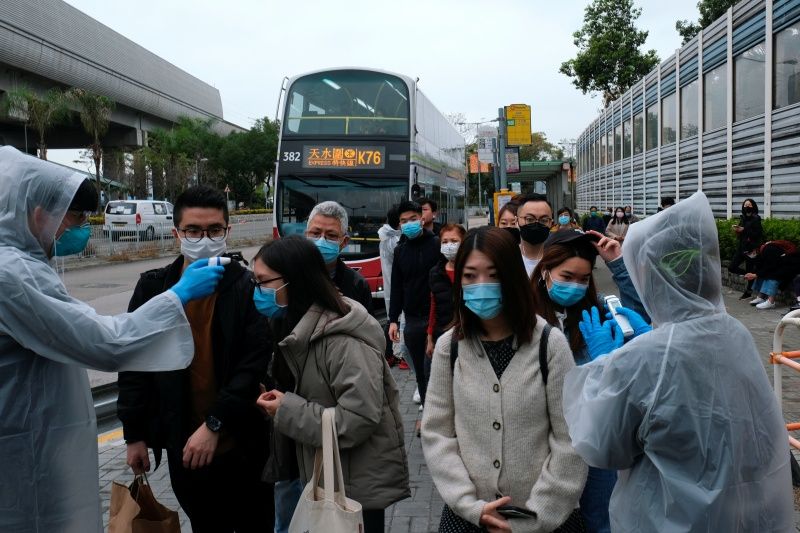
(414, 335)
(226, 496)
(738, 258)
(373, 520)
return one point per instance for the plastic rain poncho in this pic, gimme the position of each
(685, 411)
(48, 435)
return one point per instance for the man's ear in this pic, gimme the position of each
(344, 243)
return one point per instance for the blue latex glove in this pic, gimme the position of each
(601, 338)
(198, 281)
(640, 327)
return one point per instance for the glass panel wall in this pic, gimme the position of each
(715, 87)
(689, 103)
(668, 120)
(652, 127)
(627, 135)
(787, 66)
(618, 143)
(638, 133)
(603, 151)
(610, 146)
(748, 83)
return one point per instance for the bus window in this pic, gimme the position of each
(347, 102)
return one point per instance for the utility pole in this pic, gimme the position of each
(501, 148)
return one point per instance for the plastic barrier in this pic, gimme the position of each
(779, 359)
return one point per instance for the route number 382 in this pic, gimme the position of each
(291, 156)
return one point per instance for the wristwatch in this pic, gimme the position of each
(213, 423)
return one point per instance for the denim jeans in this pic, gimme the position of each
(287, 494)
(595, 499)
(766, 286)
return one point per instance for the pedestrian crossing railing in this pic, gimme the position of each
(780, 359)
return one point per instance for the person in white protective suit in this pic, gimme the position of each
(685, 411)
(48, 447)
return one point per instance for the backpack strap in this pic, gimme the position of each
(543, 351)
(453, 352)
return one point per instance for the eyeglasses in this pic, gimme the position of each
(545, 221)
(261, 285)
(215, 233)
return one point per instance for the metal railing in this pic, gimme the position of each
(780, 358)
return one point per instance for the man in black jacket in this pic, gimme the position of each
(415, 256)
(327, 228)
(205, 416)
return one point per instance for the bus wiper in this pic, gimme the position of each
(304, 182)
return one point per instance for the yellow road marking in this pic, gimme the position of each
(110, 436)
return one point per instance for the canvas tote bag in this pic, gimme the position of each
(327, 510)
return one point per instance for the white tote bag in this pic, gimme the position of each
(327, 510)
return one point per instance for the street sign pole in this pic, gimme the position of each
(501, 149)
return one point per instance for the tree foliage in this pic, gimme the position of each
(40, 112)
(609, 58)
(540, 149)
(710, 10)
(95, 115)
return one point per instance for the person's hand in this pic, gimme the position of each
(198, 281)
(738, 229)
(750, 276)
(200, 448)
(394, 332)
(429, 346)
(492, 520)
(638, 323)
(270, 402)
(608, 248)
(138, 457)
(601, 338)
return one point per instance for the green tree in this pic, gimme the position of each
(247, 160)
(540, 149)
(39, 112)
(609, 58)
(95, 114)
(710, 10)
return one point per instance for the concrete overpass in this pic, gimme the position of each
(48, 43)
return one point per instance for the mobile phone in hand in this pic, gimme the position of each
(512, 511)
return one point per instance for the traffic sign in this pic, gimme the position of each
(227, 189)
(518, 124)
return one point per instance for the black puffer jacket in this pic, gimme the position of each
(442, 290)
(156, 406)
(751, 236)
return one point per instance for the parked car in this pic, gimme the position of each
(145, 219)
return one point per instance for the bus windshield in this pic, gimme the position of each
(347, 102)
(367, 201)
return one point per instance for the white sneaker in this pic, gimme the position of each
(766, 305)
(417, 398)
(420, 408)
(757, 300)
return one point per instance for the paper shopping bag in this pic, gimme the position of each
(134, 509)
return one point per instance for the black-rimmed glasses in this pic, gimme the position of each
(263, 284)
(215, 233)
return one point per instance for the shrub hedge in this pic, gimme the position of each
(774, 229)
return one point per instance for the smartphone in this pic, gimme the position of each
(512, 511)
(613, 303)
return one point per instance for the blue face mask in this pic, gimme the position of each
(73, 240)
(264, 299)
(483, 299)
(413, 229)
(328, 249)
(563, 220)
(566, 293)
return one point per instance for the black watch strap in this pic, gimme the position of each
(213, 423)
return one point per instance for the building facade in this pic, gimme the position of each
(721, 115)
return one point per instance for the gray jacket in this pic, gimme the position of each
(338, 362)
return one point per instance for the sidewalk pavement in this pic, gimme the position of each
(421, 512)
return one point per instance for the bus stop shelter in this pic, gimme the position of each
(556, 178)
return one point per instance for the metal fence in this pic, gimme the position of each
(154, 239)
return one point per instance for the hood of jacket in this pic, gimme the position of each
(673, 261)
(28, 183)
(318, 323)
(386, 232)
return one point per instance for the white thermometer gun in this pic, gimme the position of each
(219, 261)
(613, 303)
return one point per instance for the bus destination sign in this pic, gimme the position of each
(346, 157)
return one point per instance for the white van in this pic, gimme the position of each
(142, 219)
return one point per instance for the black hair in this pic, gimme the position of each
(567, 210)
(623, 220)
(199, 196)
(667, 200)
(85, 198)
(408, 205)
(428, 201)
(755, 205)
(593, 207)
(534, 197)
(393, 217)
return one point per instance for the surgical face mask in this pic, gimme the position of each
(627, 213)
(328, 249)
(594, 213)
(483, 299)
(202, 249)
(566, 293)
(620, 215)
(563, 220)
(534, 233)
(449, 250)
(412, 229)
(264, 300)
(73, 240)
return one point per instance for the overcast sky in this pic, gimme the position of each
(471, 57)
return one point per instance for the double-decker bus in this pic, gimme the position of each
(367, 139)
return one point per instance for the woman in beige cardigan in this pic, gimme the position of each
(618, 225)
(493, 432)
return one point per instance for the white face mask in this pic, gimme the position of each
(449, 250)
(203, 249)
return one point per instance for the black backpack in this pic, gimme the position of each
(542, 351)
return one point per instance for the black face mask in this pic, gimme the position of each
(747, 211)
(534, 233)
(514, 233)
